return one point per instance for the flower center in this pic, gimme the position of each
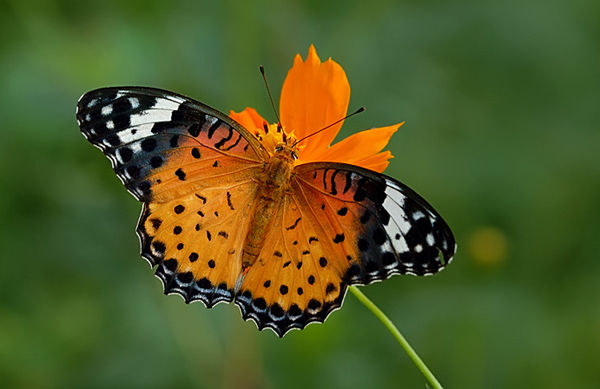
(276, 140)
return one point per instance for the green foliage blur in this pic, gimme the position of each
(502, 108)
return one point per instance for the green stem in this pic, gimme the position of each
(412, 354)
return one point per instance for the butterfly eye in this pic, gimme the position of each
(294, 155)
(278, 149)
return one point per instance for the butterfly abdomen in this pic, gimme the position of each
(274, 182)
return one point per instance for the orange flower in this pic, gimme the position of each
(314, 95)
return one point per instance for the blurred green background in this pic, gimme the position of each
(502, 104)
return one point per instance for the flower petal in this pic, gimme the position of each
(362, 149)
(376, 162)
(249, 119)
(313, 96)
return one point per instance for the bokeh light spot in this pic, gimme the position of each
(488, 246)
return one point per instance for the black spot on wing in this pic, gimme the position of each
(333, 189)
(148, 144)
(126, 154)
(293, 226)
(213, 128)
(224, 139)
(339, 238)
(229, 203)
(233, 144)
(174, 141)
(202, 198)
(180, 174)
(156, 161)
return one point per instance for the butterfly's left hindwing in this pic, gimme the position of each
(197, 240)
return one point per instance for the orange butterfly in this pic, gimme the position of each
(239, 210)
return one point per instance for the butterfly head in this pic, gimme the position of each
(287, 152)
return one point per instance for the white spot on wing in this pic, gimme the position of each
(151, 116)
(429, 239)
(110, 125)
(210, 119)
(399, 220)
(385, 247)
(401, 245)
(136, 148)
(166, 104)
(393, 203)
(141, 131)
(403, 224)
(417, 215)
(399, 225)
(134, 101)
(106, 110)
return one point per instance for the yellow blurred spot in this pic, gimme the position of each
(488, 246)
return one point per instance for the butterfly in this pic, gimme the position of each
(226, 219)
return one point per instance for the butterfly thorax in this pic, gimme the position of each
(274, 182)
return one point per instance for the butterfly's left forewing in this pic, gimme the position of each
(144, 130)
(194, 168)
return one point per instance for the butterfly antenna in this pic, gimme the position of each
(361, 109)
(262, 71)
